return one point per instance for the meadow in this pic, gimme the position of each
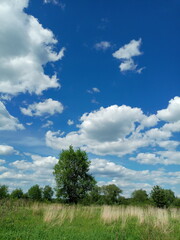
(20, 220)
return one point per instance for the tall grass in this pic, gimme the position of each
(31, 221)
(58, 213)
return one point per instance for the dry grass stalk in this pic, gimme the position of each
(159, 218)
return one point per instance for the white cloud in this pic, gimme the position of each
(45, 162)
(129, 179)
(24, 52)
(127, 65)
(172, 112)
(147, 158)
(172, 127)
(8, 122)
(110, 130)
(169, 145)
(29, 123)
(49, 106)
(6, 150)
(56, 2)
(129, 50)
(171, 157)
(161, 157)
(105, 168)
(47, 124)
(70, 122)
(150, 121)
(93, 90)
(2, 161)
(37, 162)
(117, 130)
(27, 173)
(158, 134)
(103, 45)
(126, 54)
(111, 123)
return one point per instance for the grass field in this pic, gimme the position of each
(22, 221)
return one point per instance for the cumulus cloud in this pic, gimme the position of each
(147, 158)
(2, 161)
(110, 124)
(169, 144)
(25, 173)
(36, 162)
(6, 150)
(158, 134)
(119, 130)
(49, 106)
(70, 122)
(126, 54)
(111, 130)
(8, 122)
(103, 45)
(129, 179)
(23, 53)
(172, 112)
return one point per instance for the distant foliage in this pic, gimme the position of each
(176, 202)
(139, 196)
(111, 194)
(35, 193)
(47, 193)
(3, 191)
(17, 193)
(107, 194)
(162, 197)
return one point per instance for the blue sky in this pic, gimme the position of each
(100, 75)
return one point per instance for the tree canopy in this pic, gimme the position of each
(162, 197)
(73, 180)
(139, 196)
(17, 193)
(47, 193)
(35, 193)
(3, 191)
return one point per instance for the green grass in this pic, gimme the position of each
(19, 221)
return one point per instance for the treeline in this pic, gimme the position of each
(105, 195)
(75, 185)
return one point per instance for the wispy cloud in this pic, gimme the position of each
(56, 2)
(103, 45)
(93, 90)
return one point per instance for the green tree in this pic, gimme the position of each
(3, 191)
(139, 196)
(111, 194)
(47, 193)
(176, 202)
(95, 195)
(73, 180)
(17, 193)
(35, 193)
(162, 197)
(170, 197)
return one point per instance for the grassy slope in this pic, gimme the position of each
(47, 222)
